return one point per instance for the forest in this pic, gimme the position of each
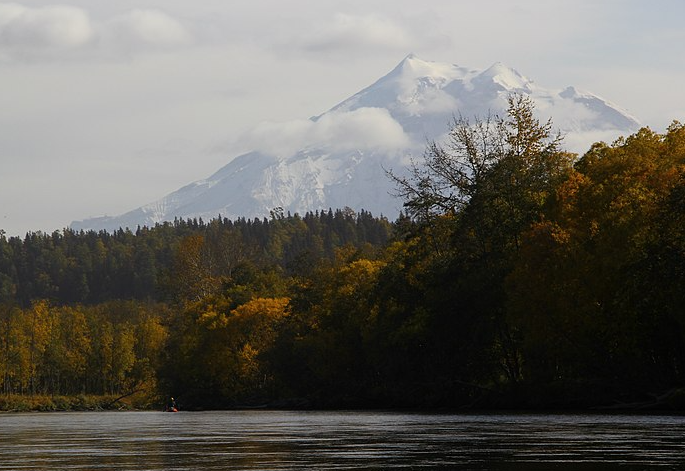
(520, 276)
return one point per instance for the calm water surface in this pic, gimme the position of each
(265, 440)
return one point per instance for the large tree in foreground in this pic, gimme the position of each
(474, 198)
(513, 160)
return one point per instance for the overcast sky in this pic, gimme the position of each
(109, 105)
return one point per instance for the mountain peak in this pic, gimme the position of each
(413, 67)
(414, 62)
(506, 77)
(498, 68)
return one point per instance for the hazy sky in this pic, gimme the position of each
(109, 105)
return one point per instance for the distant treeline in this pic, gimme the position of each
(521, 276)
(68, 267)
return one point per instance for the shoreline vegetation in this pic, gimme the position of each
(521, 277)
(669, 402)
(78, 403)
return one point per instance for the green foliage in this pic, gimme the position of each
(172, 260)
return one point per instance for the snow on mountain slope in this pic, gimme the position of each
(339, 158)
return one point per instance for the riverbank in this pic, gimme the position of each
(43, 403)
(540, 399)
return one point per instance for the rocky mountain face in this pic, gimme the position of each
(379, 128)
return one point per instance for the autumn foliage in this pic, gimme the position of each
(520, 276)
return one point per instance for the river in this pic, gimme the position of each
(274, 440)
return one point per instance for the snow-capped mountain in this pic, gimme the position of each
(344, 152)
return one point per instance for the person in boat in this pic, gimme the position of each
(171, 406)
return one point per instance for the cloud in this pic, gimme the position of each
(146, 28)
(432, 100)
(364, 129)
(63, 31)
(358, 33)
(28, 30)
(580, 142)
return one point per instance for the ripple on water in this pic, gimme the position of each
(265, 440)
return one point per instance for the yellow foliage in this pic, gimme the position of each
(213, 319)
(248, 362)
(269, 308)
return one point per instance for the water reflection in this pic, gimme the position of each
(264, 440)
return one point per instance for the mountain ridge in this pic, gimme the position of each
(380, 127)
